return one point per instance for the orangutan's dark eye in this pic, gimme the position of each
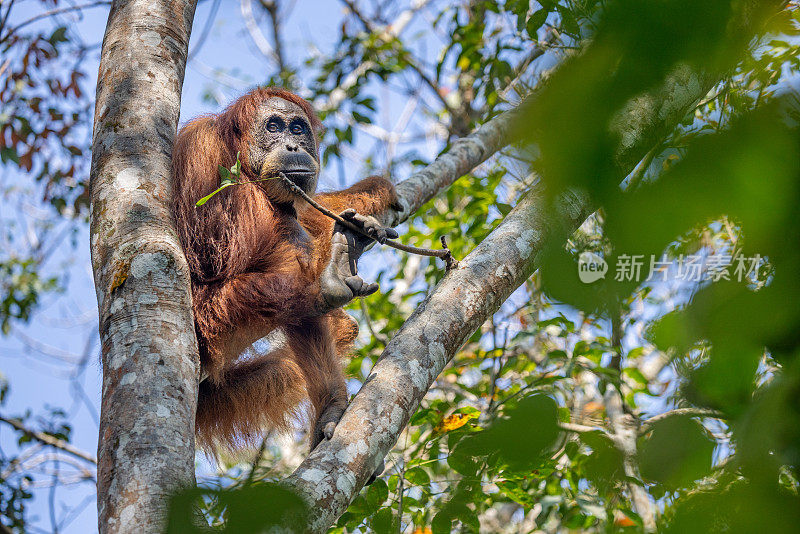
(298, 128)
(274, 124)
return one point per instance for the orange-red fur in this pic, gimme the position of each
(250, 275)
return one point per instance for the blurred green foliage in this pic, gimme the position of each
(21, 288)
(738, 169)
(250, 508)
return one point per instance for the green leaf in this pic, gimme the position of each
(361, 118)
(535, 22)
(442, 523)
(418, 476)
(383, 522)
(236, 169)
(678, 452)
(516, 493)
(463, 463)
(604, 465)
(224, 173)
(503, 208)
(424, 415)
(58, 36)
(377, 494)
(207, 197)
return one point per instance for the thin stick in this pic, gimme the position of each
(444, 253)
(47, 439)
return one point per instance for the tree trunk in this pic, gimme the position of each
(149, 350)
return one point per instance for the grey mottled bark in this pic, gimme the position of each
(149, 351)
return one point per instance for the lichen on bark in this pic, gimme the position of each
(149, 351)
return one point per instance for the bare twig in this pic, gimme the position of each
(256, 461)
(50, 13)
(5, 19)
(46, 439)
(579, 429)
(271, 6)
(444, 253)
(338, 95)
(410, 60)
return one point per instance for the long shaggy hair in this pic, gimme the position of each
(250, 275)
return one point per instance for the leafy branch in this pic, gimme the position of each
(230, 177)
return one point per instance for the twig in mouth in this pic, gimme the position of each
(444, 253)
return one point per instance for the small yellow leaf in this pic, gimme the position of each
(451, 422)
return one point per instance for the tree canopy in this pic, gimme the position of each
(626, 357)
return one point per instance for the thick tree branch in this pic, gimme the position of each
(149, 350)
(463, 156)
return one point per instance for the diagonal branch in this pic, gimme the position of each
(47, 439)
(49, 13)
(462, 157)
